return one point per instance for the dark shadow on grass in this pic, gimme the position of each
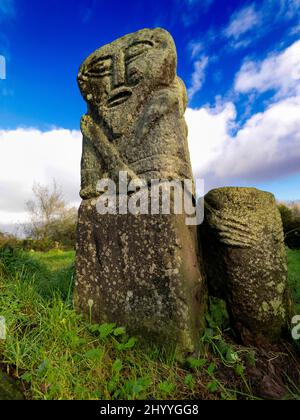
(16, 263)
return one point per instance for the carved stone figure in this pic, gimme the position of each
(245, 261)
(136, 107)
(139, 270)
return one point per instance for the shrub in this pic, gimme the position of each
(290, 216)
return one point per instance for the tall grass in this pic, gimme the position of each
(57, 354)
(49, 272)
(294, 276)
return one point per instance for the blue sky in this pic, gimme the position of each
(240, 61)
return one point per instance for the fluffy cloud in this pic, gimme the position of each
(198, 76)
(195, 48)
(279, 71)
(208, 132)
(242, 21)
(266, 147)
(249, 23)
(28, 156)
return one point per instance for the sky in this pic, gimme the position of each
(240, 61)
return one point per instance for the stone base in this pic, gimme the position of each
(141, 272)
(245, 262)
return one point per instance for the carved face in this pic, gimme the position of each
(119, 77)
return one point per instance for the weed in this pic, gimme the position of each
(57, 354)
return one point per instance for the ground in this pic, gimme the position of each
(53, 353)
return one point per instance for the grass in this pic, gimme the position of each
(54, 353)
(294, 276)
(51, 272)
(56, 259)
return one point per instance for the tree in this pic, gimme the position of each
(50, 218)
(63, 229)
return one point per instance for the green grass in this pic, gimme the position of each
(56, 259)
(294, 275)
(50, 272)
(56, 354)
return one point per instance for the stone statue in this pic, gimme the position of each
(245, 261)
(138, 270)
(136, 106)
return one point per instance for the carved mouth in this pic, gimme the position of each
(118, 97)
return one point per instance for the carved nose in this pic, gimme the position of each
(119, 70)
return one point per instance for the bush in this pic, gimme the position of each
(51, 220)
(42, 245)
(8, 240)
(29, 244)
(292, 239)
(290, 216)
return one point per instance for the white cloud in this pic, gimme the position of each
(198, 76)
(266, 147)
(195, 47)
(242, 21)
(288, 8)
(208, 131)
(251, 22)
(28, 156)
(279, 71)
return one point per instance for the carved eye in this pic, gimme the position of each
(137, 49)
(100, 68)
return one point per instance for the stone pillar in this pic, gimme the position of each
(245, 261)
(141, 271)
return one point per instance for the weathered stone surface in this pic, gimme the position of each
(245, 261)
(136, 107)
(141, 271)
